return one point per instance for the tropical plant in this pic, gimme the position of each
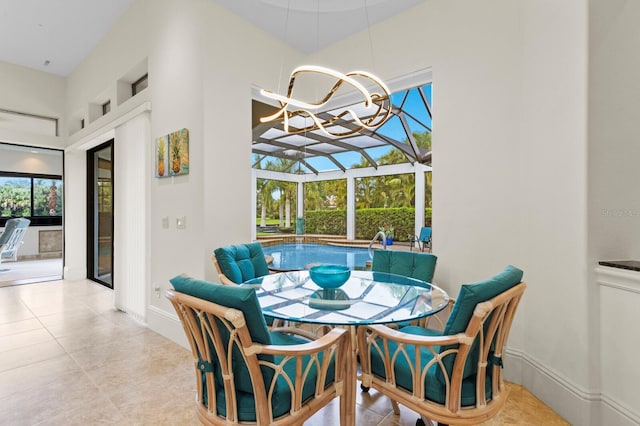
(387, 229)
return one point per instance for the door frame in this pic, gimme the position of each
(91, 228)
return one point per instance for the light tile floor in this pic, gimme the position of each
(67, 358)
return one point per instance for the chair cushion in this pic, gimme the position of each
(242, 262)
(481, 291)
(425, 234)
(244, 299)
(281, 401)
(411, 264)
(468, 297)
(435, 390)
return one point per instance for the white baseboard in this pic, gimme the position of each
(613, 413)
(74, 274)
(167, 325)
(575, 404)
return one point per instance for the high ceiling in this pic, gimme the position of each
(310, 25)
(63, 32)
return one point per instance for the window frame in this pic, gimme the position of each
(135, 86)
(35, 220)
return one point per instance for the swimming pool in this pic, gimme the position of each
(297, 256)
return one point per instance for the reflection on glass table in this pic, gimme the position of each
(366, 298)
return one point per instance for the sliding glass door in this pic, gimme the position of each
(100, 214)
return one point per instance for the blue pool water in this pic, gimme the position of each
(297, 256)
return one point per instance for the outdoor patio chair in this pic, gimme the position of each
(11, 238)
(453, 377)
(246, 374)
(424, 239)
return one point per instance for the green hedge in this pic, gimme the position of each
(368, 222)
(326, 222)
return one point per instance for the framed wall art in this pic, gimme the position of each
(172, 154)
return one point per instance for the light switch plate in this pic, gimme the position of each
(181, 222)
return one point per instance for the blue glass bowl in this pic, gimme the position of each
(329, 276)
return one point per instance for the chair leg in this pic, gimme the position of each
(421, 422)
(396, 407)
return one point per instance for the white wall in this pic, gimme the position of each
(509, 168)
(559, 339)
(75, 215)
(614, 203)
(32, 92)
(237, 56)
(191, 57)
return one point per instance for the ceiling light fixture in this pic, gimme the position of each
(371, 111)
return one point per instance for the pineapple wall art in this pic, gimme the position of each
(172, 154)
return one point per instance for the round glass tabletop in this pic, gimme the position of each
(366, 298)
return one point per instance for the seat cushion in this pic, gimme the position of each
(242, 262)
(244, 299)
(281, 401)
(435, 390)
(420, 266)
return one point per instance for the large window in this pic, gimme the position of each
(36, 197)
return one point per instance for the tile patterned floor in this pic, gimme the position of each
(67, 358)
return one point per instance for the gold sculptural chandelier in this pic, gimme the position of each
(373, 109)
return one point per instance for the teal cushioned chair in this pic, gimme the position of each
(410, 264)
(11, 238)
(245, 373)
(465, 357)
(239, 263)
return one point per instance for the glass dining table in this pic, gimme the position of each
(366, 298)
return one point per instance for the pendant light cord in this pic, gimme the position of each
(286, 34)
(366, 13)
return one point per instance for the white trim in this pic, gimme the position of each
(254, 203)
(621, 279)
(351, 208)
(614, 413)
(106, 131)
(166, 324)
(570, 401)
(74, 274)
(394, 169)
(574, 403)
